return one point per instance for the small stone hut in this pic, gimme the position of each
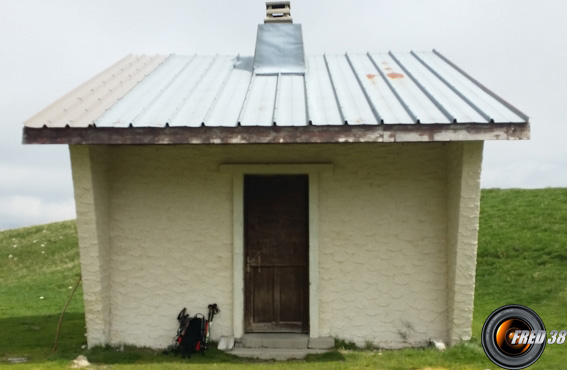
(329, 195)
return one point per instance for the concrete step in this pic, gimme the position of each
(278, 354)
(275, 340)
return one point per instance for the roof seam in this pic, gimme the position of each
(276, 99)
(393, 89)
(338, 102)
(68, 95)
(430, 96)
(483, 88)
(160, 92)
(219, 92)
(119, 100)
(307, 115)
(246, 99)
(64, 117)
(453, 88)
(193, 88)
(368, 100)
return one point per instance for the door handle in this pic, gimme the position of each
(254, 261)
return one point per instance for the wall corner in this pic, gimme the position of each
(91, 187)
(464, 161)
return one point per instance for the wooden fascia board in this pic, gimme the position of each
(277, 135)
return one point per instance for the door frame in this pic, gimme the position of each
(274, 287)
(238, 171)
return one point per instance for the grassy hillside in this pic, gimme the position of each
(522, 259)
(39, 265)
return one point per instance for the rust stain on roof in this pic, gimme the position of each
(395, 75)
(142, 91)
(371, 77)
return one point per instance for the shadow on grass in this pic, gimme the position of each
(33, 337)
(134, 355)
(332, 356)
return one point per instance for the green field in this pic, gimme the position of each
(522, 259)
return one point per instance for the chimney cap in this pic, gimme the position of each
(278, 12)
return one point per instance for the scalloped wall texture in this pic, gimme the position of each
(383, 239)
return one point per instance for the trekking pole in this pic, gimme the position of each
(63, 312)
(213, 310)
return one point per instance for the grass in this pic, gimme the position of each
(38, 266)
(522, 259)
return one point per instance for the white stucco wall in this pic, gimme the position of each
(91, 186)
(463, 206)
(383, 238)
(382, 246)
(171, 232)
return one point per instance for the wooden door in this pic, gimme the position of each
(276, 239)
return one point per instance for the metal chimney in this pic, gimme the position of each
(279, 43)
(278, 12)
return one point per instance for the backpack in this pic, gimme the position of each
(192, 338)
(193, 333)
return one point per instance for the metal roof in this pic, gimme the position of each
(223, 91)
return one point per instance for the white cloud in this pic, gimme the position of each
(34, 177)
(528, 174)
(18, 210)
(48, 50)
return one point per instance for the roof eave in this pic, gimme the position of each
(277, 134)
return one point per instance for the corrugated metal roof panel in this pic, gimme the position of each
(351, 99)
(227, 105)
(418, 104)
(438, 92)
(353, 89)
(138, 101)
(164, 92)
(496, 110)
(83, 105)
(193, 109)
(322, 105)
(384, 101)
(258, 108)
(290, 107)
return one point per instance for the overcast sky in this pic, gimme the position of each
(517, 48)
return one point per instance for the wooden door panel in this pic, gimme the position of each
(262, 286)
(276, 253)
(291, 281)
